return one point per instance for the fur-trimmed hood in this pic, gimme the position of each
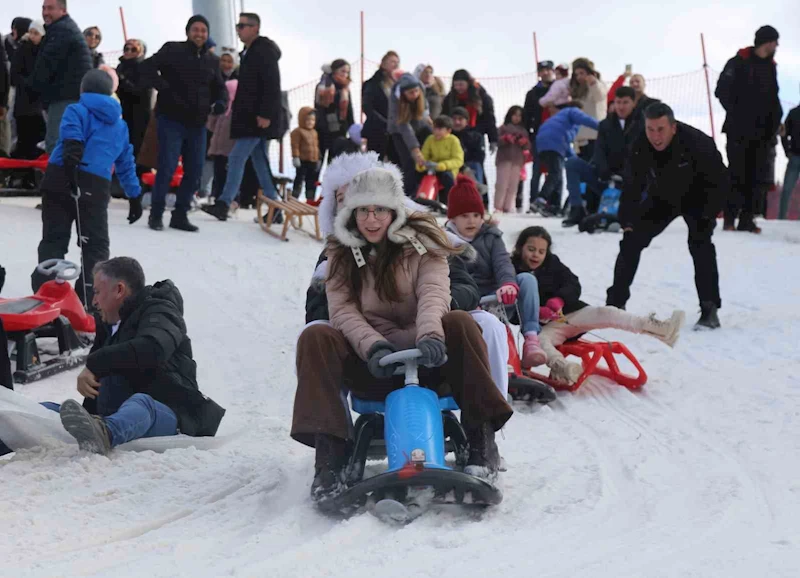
(339, 173)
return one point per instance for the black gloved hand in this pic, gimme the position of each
(71, 172)
(135, 209)
(378, 352)
(434, 352)
(218, 108)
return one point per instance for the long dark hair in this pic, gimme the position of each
(530, 232)
(473, 91)
(510, 113)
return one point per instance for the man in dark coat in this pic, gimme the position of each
(673, 170)
(140, 378)
(532, 118)
(63, 60)
(190, 87)
(748, 90)
(255, 115)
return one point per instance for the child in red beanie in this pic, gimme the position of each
(492, 268)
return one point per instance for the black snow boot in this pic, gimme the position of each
(155, 222)
(484, 457)
(708, 316)
(181, 222)
(329, 467)
(748, 224)
(576, 214)
(218, 210)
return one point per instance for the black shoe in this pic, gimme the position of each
(708, 316)
(484, 457)
(155, 222)
(181, 222)
(218, 210)
(729, 224)
(576, 214)
(329, 467)
(748, 224)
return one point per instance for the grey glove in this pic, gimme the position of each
(296, 162)
(374, 356)
(434, 352)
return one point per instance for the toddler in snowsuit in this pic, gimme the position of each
(442, 153)
(512, 144)
(565, 315)
(492, 268)
(92, 140)
(305, 153)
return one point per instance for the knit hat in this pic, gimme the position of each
(37, 25)
(381, 186)
(98, 82)
(197, 18)
(764, 35)
(460, 111)
(464, 198)
(21, 25)
(461, 75)
(408, 81)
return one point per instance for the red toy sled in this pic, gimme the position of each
(21, 176)
(7, 164)
(55, 312)
(428, 192)
(149, 179)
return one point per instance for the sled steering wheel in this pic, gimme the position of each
(59, 269)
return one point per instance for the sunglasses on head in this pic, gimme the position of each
(243, 25)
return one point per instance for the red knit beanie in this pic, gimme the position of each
(464, 198)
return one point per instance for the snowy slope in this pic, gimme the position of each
(695, 476)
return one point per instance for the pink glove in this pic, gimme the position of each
(507, 294)
(556, 304)
(547, 314)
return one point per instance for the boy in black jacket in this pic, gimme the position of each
(471, 141)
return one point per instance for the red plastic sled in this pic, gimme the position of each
(149, 179)
(591, 353)
(7, 164)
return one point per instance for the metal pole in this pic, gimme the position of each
(362, 64)
(535, 49)
(708, 85)
(124, 29)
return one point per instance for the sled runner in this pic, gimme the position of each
(293, 213)
(413, 428)
(55, 312)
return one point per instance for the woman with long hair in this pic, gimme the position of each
(332, 104)
(587, 88)
(136, 102)
(408, 126)
(388, 289)
(375, 100)
(93, 38)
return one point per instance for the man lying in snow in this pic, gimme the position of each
(140, 378)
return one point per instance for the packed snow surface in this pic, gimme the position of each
(697, 475)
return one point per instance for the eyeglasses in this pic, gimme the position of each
(243, 25)
(132, 49)
(380, 213)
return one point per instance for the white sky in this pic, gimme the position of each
(488, 38)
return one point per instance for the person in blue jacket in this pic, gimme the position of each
(93, 140)
(553, 145)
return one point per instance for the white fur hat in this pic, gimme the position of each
(381, 186)
(339, 173)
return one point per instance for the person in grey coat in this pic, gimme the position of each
(408, 125)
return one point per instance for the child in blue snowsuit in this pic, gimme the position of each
(553, 145)
(606, 216)
(93, 140)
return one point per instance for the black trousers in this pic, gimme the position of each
(553, 186)
(30, 132)
(58, 215)
(747, 160)
(6, 379)
(653, 219)
(306, 173)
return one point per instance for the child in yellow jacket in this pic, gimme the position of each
(443, 154)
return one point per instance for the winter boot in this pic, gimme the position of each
(729, 224)
(666, 331)
(329, 467)
(576, 214)
(708, 316)
(90, 430)
(565, 371)
(155, 222)
(748, 224)
(532, 353)
(181, 222)
(484, 457)
(218, 210)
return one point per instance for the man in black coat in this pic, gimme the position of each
(532, 118)
(256, 113)
(190, 87)
(674, 170)
(140, 378)
(748, 90)
(63, 60)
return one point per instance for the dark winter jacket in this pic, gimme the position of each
(532, 111)
(555, 280)
(561, 129)
(94, 138)
(135, 100)
(491, 267)
(375, 101)
(474, 145)
(689, 176)
(63, 59)
(188, 82)
(329, 120)
(612, 145)
(748, 91)
(259, 92)
(5, 79)
(26, 101)
(485, 122)
(152, 351)
(97, 58)
(791, 138)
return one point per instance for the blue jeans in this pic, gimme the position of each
(55, 112)
(255, 149)
(528, 301)
(176, 140)
(579, 171)
(789, 181)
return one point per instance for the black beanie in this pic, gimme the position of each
(97, 81)
(461, 75)
(460, 111)
(765, 34)
(198, 18)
